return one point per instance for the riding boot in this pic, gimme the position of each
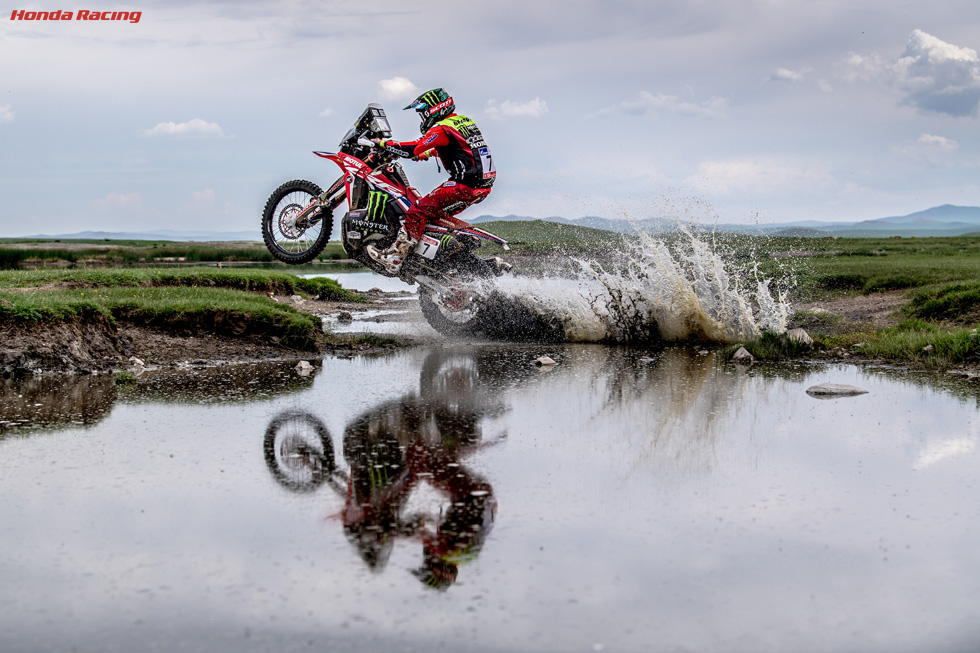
(393, 257)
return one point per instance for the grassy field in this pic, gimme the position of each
(26, 253)
(831, 266)
(231, 302)
(940, 279)
(541, 237)
(939, 276)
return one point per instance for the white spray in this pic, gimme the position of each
(675, 293)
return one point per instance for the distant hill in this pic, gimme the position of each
(648, 225)
(548, 236)
(947, 214)
(160, 234)
(946, 220)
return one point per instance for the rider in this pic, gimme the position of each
(458, 143)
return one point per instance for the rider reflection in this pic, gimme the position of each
(396, 448)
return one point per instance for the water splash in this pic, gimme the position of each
(652, 290)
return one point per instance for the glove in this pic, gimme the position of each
(425, 156)
(380, 142)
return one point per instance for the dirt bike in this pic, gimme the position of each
(454, 283)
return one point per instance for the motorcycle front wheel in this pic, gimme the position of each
(298, 451)
(288, 239)
(447, 316)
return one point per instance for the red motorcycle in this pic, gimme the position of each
(454, 284)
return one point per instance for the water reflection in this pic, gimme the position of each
(219, 384)
(48, 401)
(648, 501)
(394, 449)
(29, 404)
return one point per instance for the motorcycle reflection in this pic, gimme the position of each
(393, 449)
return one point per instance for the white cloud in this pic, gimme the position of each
(931, 149)
(760, 176)
(857, 68)
(7, 113)
(939, 76)
(533, 108)
(397, 88)
(933, 75)
(936, 452)
(120, 201)
(195, 127)
(787, 75)
(648, 103)
(938, 141)
(326, 113)
(203, 198)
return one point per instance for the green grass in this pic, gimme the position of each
(865, 265)
(122, 252)
(226, 302)
(542, 237)
(188, 309)
(264, 281)
(927, 347)
(914, 341)
(957, 303)
(772, 347)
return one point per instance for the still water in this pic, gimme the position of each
(461, 499)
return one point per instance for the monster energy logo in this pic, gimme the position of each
(462, 124)
(377, 201)
(431, 99)
(379, 476)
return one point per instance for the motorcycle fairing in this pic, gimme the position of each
(354, 167)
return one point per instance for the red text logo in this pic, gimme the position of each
(81, 14)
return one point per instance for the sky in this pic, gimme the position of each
(705, 110)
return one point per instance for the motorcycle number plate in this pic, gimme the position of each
(427, 247)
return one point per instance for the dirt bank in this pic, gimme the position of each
(97, 345)
(855, 312)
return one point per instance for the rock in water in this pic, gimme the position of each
(544, 361)
(742, 356)
(799, 336)
(832, 390)
(303, 368)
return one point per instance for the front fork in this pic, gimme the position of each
(326, 202)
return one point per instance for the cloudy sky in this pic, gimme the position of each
(711, 110)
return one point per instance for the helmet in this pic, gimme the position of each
(432, 106)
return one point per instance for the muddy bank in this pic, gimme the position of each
(96, 344)
(856, 312)
(91, 344)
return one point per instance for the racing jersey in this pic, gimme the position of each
(459, 145)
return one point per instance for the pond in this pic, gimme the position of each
(459, 498)
(364, 281)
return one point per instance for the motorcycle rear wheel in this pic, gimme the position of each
(288, 241)
(446, 319)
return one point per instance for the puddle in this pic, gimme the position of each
(461, 499)
(364, 281)
(405, 320)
